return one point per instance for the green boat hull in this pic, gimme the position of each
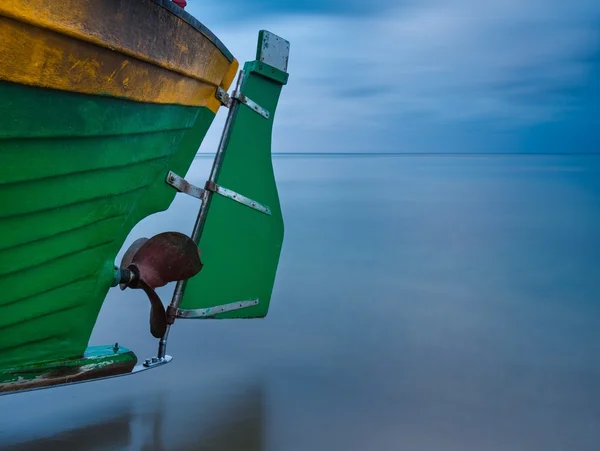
(79, 171)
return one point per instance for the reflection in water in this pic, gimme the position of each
(111, 434)
(238, 427)
(169, 421)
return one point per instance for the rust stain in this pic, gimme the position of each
(66, 374)
(166, 257)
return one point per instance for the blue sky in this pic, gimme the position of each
(427, 76)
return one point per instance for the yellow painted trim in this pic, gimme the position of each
(230, 75)
(212, 102)
(37, 57)
(140, 29)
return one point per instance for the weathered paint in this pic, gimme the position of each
(240, 245)
(91, 47)
(96, 362)
(273, 50)
(142, 29)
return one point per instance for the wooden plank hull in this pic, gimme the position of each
(95, 109)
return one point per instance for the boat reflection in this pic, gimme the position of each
(112, 434)
(175, 420)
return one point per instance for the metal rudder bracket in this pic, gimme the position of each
(216, 310)
(226, 100)
(153, 362)
(210, 186)
(223, 97)
(251, 104)
(183, 186)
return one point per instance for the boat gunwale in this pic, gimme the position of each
(196, 24)
(142, 56)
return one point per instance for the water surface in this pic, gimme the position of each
(421, 303)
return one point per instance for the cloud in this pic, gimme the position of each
(420, 74)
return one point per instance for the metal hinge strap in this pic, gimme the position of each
(183, 186)
(210, 186)
(225, 100)
(251, 104)
(216, 310)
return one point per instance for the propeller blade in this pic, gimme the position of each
(128, 256)
(158, 315)
(167, 257)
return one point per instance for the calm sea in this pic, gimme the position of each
(422, 303)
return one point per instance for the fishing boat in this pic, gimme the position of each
(103, 107)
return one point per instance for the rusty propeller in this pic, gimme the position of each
(128, 257)
(151, 263)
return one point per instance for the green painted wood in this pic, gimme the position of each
(267, 71)
(241, 246)
(82, 115)
(78, 172)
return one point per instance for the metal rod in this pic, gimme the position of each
(205, 203)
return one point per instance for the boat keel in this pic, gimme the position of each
(97, 362)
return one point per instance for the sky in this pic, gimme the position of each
(426, 75)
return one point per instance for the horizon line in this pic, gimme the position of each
(418, 154)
